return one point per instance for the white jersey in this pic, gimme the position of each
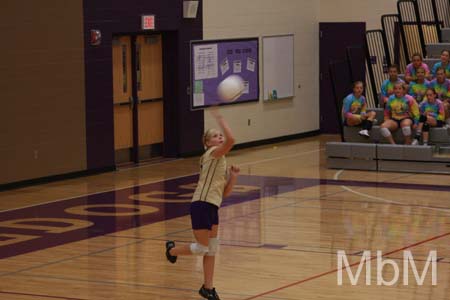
(213, 177)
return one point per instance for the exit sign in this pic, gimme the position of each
(148, 22)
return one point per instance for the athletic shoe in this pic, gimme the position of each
(446, 126)
(170, 245)
(364, 132)
(415, 142)
(209, 294)
(425, 143)
(214, 293)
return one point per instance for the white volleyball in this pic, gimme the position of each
(231, 88)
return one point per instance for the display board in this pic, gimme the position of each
(278, 67)
(214, 60)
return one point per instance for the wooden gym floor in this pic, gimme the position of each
(102, 237)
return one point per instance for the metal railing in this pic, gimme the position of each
(411, 28)
(391, 28)
(429, 19)
(443, 12)
(378, 61)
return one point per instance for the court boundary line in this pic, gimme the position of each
(351, 265)
(160, 180)
(338, 173)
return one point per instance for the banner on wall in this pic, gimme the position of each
(214, 60)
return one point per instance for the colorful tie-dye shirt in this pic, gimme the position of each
(387, 88)
(439, 65)
(401, 108)
(436, 109)
(442, 90)
(411, 71)
(417, 90)
(353, 106)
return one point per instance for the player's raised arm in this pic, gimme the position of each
(228, 143)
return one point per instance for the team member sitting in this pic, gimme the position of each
(387, 88)
(354, 110)
(411, 69)
(418, 87)
(401, 111)
(431, 115)
(444, 63)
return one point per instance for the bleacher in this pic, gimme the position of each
(374, 153)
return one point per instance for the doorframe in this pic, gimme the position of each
(134, 91)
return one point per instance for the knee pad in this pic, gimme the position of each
(406, 131)
(198, 249)
(213, 246)
(426, 127)
(385, 132)
(423, 119)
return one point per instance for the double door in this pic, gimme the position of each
(138, 97)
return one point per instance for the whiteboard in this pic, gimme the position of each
(278, 67)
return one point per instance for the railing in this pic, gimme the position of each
(429, 19)
(411, 28)
(378, 60)
(443, 12)
(397, 52)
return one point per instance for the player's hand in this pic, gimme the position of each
(214, 111)
(234, 170)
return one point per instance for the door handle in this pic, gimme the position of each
(131, 101)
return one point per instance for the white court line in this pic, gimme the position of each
(161, 180)
(338, 173)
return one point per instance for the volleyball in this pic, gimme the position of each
(231, 88)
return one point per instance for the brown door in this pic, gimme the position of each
(122, 98)
(138, 97)
(149, 78)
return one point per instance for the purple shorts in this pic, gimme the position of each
(204, 215)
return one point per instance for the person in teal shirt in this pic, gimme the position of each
(354, 110)
(418, 87)
(401, 111)
(387, 87)
(444, 63)
(432, 114)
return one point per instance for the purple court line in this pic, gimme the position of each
(391, 185)
(393, 204)
(37, 295)
(135, 242)
(274, 184)
(355, 210)
(162, 235)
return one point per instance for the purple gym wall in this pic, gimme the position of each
(183, 128)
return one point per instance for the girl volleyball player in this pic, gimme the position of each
(441, 86)
(401, 111)
(354, 110)
(212, 186)
(387, 88)
(431, 115)
(417, 62)
(444, 63)
(418, 87)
